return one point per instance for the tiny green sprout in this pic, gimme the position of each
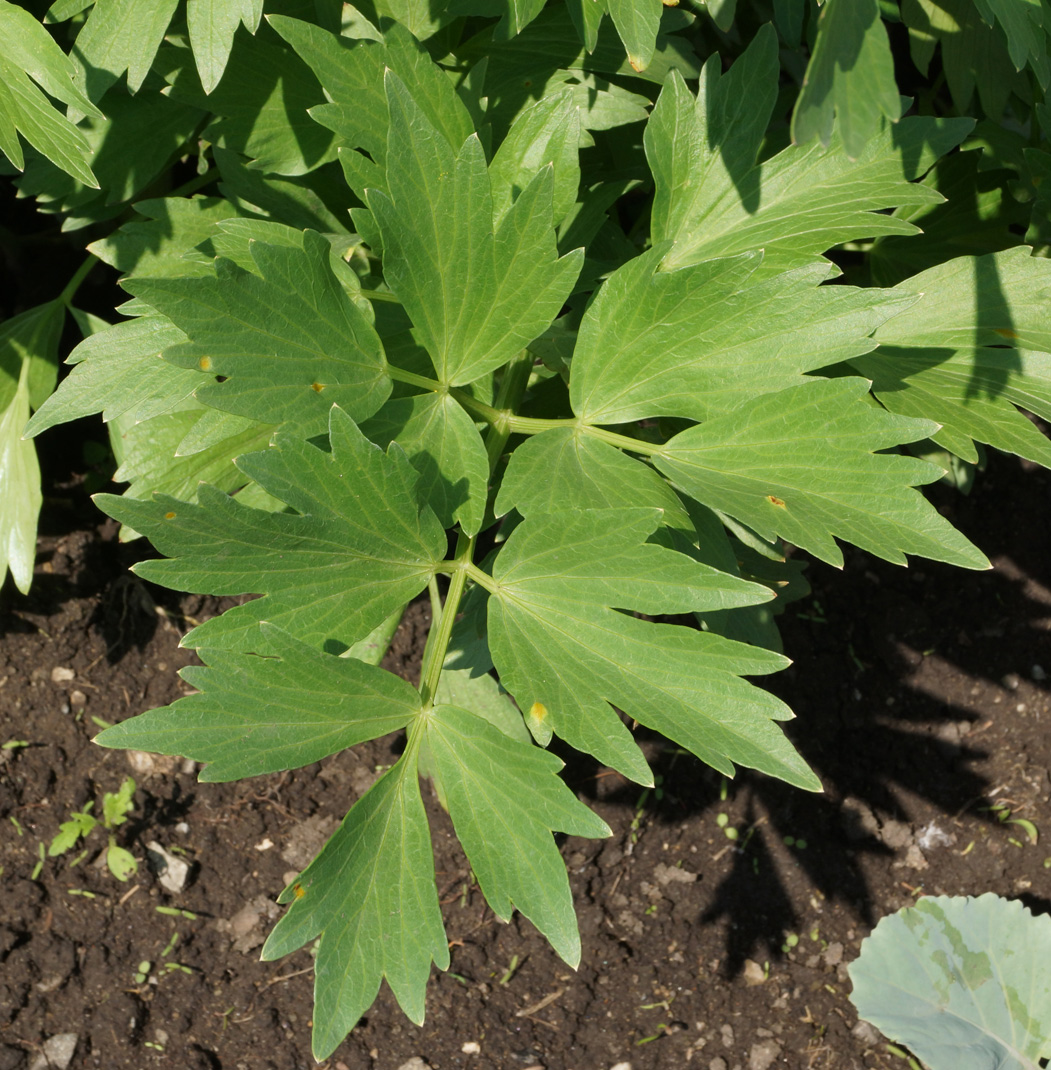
(1047, 863)
(651, 910)
(40, 865)
(731, 833)
(171, 945)
(722, 820)
(143, 971)
(789, 841)
(82, 892)
(175, 912)
(512, 968)
(172, 966)
(800, 845)
(15, 744)
(100, 722)
(893, 1049)
(153, 1044)
(115, 809)
(724, 787)
(18, 825)
(656, 1036)
(815, 934)
(791, 940)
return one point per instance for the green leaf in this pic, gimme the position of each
(546, 133)
(118, 372)
(801, 464)
(163, 243)
(370, 894)
(116, 805)
(352, 76)
(21, 499)
(568, 657)
(713, 200)
(637, 22)
(121, 863)
(446, 448)
(261, 107)
(263, 714)
(357, 548)
(851, 73)
(478, 292)
(1024, 23)
(289, 340)
(28, 355)
(505, 799)
(950, 357)
(212, 25)
(963, 981)
(564, 467)
(30, 55)
(992, 300)
(79, 824)
(119, 36)
(702, 340)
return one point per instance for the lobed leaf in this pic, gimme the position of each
(288, 340)
(371, 896)
(357, 548)
(477, 292)
(568, 657)
(257, 714)
(801, 464)
(505, 799)
(702, 340)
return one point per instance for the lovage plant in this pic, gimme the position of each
(543, 313)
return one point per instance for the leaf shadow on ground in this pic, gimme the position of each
(889, 667)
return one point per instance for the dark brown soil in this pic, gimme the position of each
(921, 703)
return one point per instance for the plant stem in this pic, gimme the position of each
(442, 627)
(79, 276)
(402, 376)
(196, 183)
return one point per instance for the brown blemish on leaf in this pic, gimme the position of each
(1005, 332)
(318, 387)
(298, 891)
(205, 363)
(169, 516)
(773, 499)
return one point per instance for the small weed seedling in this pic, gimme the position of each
(115, 809)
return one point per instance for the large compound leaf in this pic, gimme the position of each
(370, 893)
(851, 73)
(30, 55)
(950, 357)
(801, 464)
(477, 292)
(712, 199)
(702, 340)
(568, 657)
(964, 982)
(289, 340)
(256, 715)
(357, 548)
(505, 799)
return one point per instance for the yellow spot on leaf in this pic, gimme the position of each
(538, 711)
(169, 516)
(773, 499)
(298, 891)
(318, 387)
(205, 363)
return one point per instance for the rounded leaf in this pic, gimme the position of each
(965, 982)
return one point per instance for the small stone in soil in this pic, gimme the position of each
(415, 1063)
(763, 1055)
(61, 675)
(57, 1053)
